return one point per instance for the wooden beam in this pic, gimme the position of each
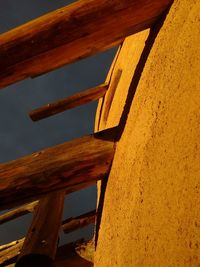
(13, 214)
(68, 225)
(81, 221)
(40, 245)
(72, 33)
(78, 99)
(71, 166)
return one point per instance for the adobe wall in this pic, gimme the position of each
(151, 212)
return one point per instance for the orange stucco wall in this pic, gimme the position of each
(151, 212)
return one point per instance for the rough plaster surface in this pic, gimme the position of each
(151, 213)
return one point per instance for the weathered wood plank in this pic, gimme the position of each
(78, 99)
(40, 245)
(70, 166)
(71, 33)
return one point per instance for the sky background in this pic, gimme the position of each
(19, 136)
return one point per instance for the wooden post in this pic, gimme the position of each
(69, 102)
(40, 245)
(72, 33)
(69, 166)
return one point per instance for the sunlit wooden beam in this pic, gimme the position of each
(72, 33)
(73, 101)
(70, 166)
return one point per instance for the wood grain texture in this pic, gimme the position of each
(71, 33)
(71, 166)
(73, 101)
(13, 214)
(40, 245)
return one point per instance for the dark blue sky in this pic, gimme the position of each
(20, 136)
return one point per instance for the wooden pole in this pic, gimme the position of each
(70, 166)
(13, 214)
(67, 225)
(72, 33)
(78, 99)
(40, 245)
(81, 221)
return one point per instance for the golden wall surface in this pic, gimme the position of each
(151, 212)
